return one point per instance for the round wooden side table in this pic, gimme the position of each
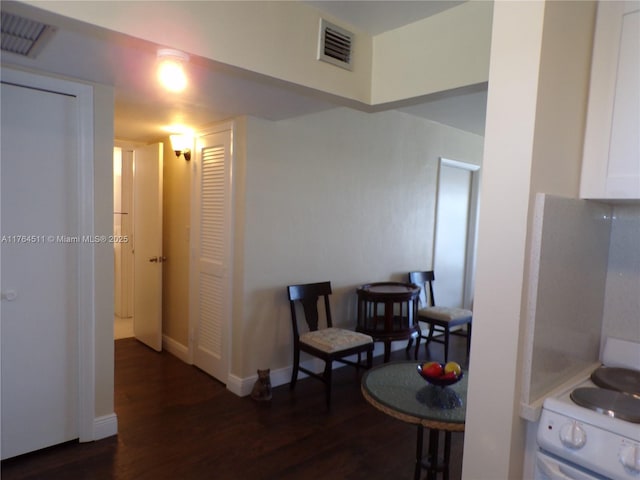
(388, 311)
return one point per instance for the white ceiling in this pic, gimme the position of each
(376, 16)
(219, 92)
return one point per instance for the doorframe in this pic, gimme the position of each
(472, 224)
(229, 126)
(85, 222)
(129, 146)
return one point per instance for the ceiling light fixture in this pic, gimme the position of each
(171, 72)
(181, 144)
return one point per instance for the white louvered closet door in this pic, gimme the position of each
(211, 237)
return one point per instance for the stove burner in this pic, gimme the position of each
(609, 402)
(620, 379)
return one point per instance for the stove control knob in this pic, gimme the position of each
(572, 435)
(630, 458)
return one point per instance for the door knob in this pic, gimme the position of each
(153, 259)
(9, 295)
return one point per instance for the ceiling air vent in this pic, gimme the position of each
(23, 36)
(335, 44)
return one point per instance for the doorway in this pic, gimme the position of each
(123, 251)
(138, 254)
(455, 237)
(197, 239)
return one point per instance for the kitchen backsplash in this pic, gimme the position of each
(570, 241)
(584, 286)
(621, 316)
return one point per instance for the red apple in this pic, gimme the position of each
(449, 376)
(433, 369)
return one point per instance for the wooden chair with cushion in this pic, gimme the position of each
(441, 320)
(326, 342)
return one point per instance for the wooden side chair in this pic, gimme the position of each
(440, 319)
(326, 342)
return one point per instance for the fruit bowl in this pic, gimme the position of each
(440, 380)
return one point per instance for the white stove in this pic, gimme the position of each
(592, 430)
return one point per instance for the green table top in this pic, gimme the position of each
(399, 391)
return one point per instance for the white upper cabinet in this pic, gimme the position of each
(611, 162)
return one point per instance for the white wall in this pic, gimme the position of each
(538, 78)
(342, 196)
(445, 51)
(622, 295)
(274, 38)
(504, 202)
(563, 89)
(103, 257)
(279, 39)
(176, 211)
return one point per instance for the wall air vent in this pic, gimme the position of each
(334, 45)
(23, 36)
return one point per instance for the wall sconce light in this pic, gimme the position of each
(181, 145)
(171, 72)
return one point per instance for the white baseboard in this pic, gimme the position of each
(105, 426)
(282, 376)
(176, 349)
(243, 386)
(239, 386)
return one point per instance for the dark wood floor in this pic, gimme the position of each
(176, 422)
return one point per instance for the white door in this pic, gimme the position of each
(147, 246)
(454, 250)
(210, 293)
(39, 274)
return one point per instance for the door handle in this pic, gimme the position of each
(9, 295)
(153, 259)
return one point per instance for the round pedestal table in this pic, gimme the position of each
(397, 390)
